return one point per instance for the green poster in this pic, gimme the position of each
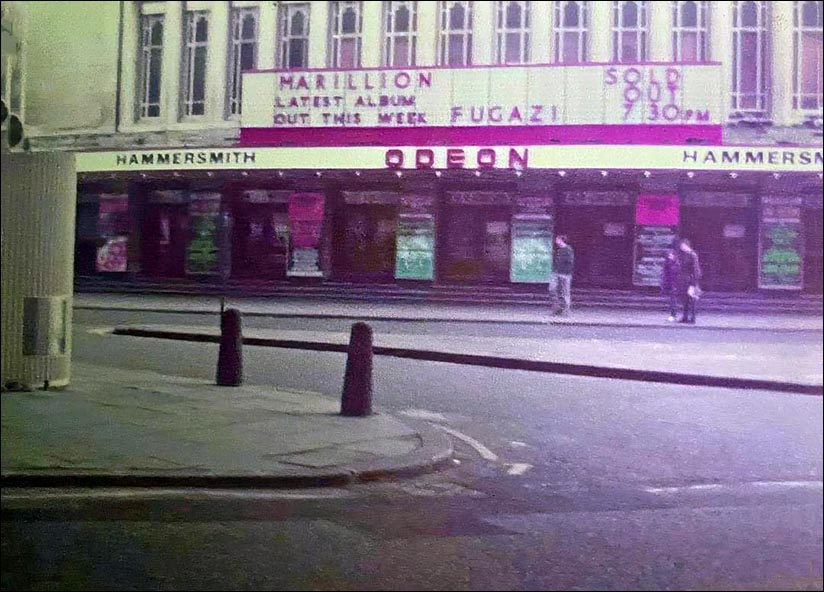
(781, 255)
(202, 254)
(531, 249)
(415, 248)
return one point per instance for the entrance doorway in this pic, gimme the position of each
(370, 232)
(476, 246)
(726, 241)
(165, 234)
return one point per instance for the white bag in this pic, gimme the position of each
(694, 292)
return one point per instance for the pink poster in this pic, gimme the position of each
(657, 210)
(305, 219)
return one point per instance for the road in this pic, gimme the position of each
(560, 482)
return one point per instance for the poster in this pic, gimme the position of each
(531, 249)
(781, 244)
(113, 229)
(415, 252)
(203, 251)
(657, 217)
(651, 246)
(305, 227)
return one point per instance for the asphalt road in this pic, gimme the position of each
(561, 483)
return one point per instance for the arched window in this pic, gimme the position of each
(294, 35)
(151, 58)
(455, 33)
(243, 51)
(345, 30)
(749, 59)
(513, 28)
(689, 31)
(194, 63)
(808, 62)
(400, 20)
(629, 32)
(570, 28)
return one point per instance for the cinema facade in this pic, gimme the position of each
(461, 176)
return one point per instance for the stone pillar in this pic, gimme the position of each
(780, 76)
(318, 34)
(721, 15)
(541, 20)
(372, 34)
(484, 39)
(267, 44)
(427, 33)
(660, 31)
(600, 38)
(218, 58)
(37, 257)
(172, 52)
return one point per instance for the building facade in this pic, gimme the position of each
(436, 142)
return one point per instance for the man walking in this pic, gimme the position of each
(564, 265)
(688, 279)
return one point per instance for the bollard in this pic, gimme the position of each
(230, 358)
(357, 383)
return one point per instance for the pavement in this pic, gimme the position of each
(128, 427)
(273, 307)
(732, 364)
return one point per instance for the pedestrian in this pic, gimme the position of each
(563, 268)
(689, 278)
(669, 282)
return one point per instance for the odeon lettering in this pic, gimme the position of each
(457, 158)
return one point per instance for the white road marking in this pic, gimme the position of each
(424, 414)
(100, 330)
(485, 452)
(516, 444)
(188, 493)
(518, 468)
(718, 486)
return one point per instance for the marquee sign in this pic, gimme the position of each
(484, 96)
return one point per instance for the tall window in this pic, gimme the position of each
(401, 25)
(629, 32)
(243, 51)
(151, 57)
(512, 26)
(569, 32)
(294, 35)
(689, 31)
(194, 62)
(345, 28)
(455, 39)
(807, 84)
(749, 60)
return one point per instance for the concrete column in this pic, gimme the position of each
(484, 40)
(372, 34)
(172, 51)
(600, 38)
(318, 34)
(128, 63)
(268, 36)
(218, 58)
(780, 63)
(721, 15)
(541, 21)
(427, 34)
(37, 257)
(660, 31)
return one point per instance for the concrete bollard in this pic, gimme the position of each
(357, 384)
(230, 358)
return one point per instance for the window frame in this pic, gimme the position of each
(446, 32)
(641, 30)
(193, 48)
(336, 34)
(502, 31)
(286, 13)
(236, 44)
(391, 36)
(761, 30)
(561, 30)
(701, 30)
(145, 62)
(799, 28)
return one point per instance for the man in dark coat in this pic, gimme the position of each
(688, 280)
(669, 282)
(563, 268)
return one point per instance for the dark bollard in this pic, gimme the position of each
(230, 358)
(357, 384)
